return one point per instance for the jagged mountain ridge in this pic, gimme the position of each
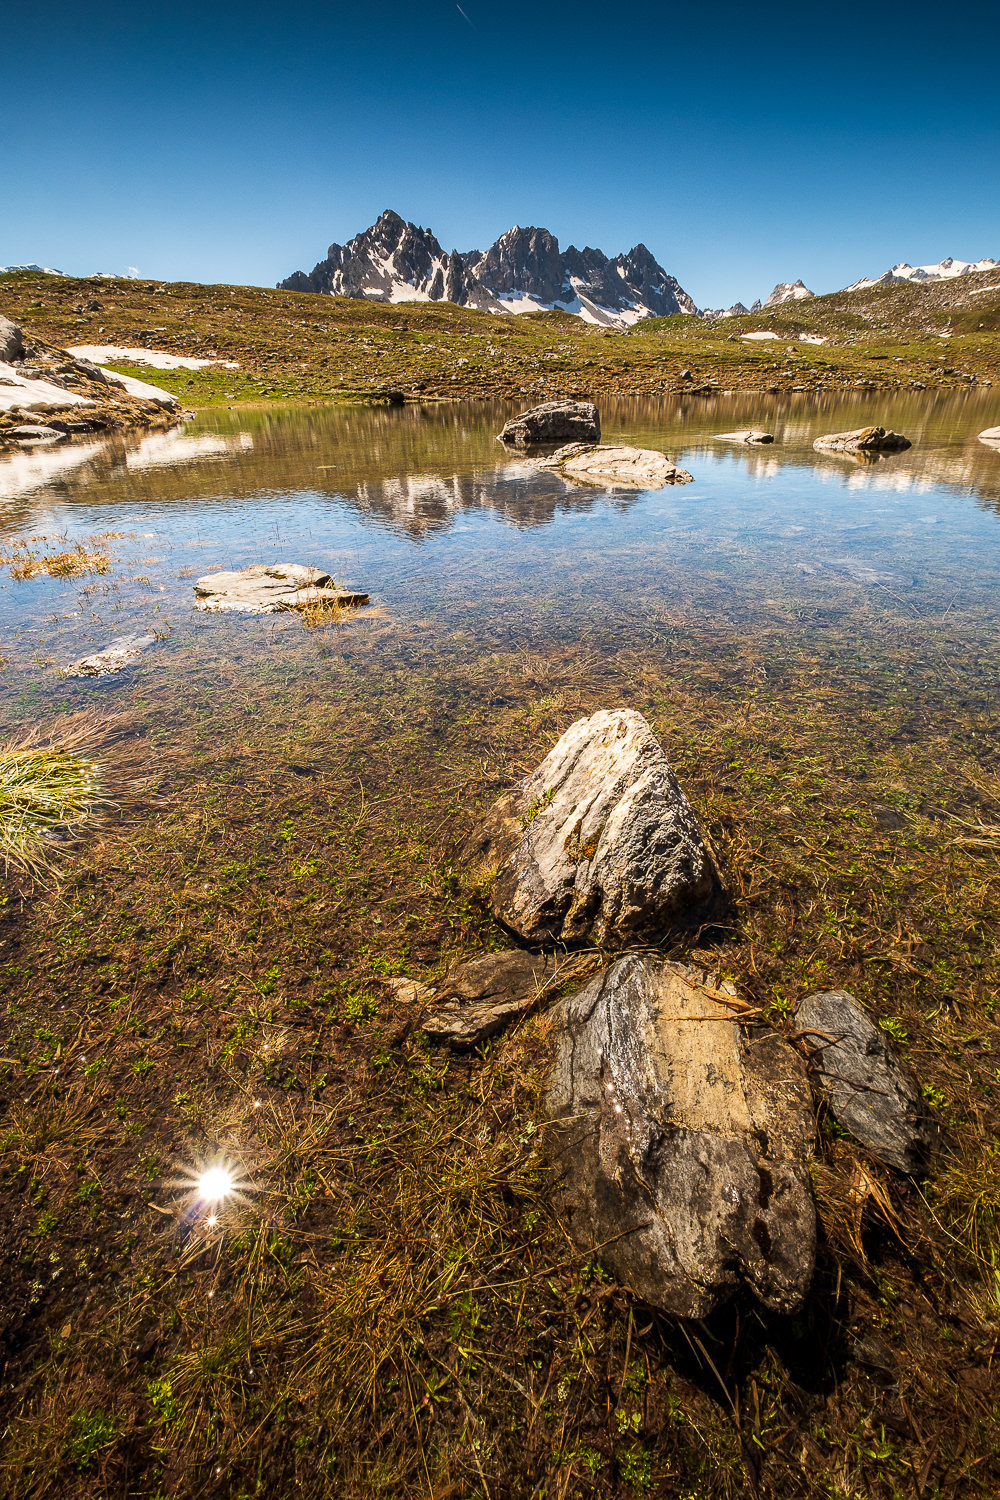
(523, 271)
(944, 270)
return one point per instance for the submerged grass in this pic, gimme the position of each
(389, 1306)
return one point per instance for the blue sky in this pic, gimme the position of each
(744, 144)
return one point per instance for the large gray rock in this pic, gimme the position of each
(554, 422)
(868, 1091)
(599, 843)
(264, 590)
(11, 341)
(484, 995)
(617, 465)
(682, 1140)
(863, 440)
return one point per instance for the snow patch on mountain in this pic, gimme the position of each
(944, 270)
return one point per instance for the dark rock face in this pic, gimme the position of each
(681, 1141)
(598, 844)
(481, 997)
(554, 422)
(863, 440)
(868, 1090)
(11, 342)
(396, 261)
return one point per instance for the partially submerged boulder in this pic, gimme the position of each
(991, 437)
(554, 422)
(858, 1072)
(616, 464)
(484, 995)
(123, 652)
(752, 435)
(863, 440)
(599, 843)
(682, 1140)
(264, 590)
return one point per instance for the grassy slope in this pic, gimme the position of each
(302, 346)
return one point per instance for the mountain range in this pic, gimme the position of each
(523, 271)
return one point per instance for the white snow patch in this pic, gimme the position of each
(35, 395)
(155, 359)
(141, 390)
(759, 335)
(979, 290)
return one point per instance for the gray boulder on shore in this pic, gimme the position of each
(599, 843)
(11, 341)
(867, 1089)
(554, 422)
(681, 1140)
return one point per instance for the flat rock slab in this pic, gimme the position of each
(868, 1091)
(617, 465)
(599, 843)
(554, 422)
(991, 437)
(483, 996)
(264, 590)
(863, 440)
(751, 435)
(30, 436)
(682, 1140)
(123, 652)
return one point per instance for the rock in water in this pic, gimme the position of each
(554, 422)
(751, 435)
(991, 436)
(863, 440)
(868, 1091)
(483, 995)
(599, 843)
(123, 652)
(263, 590)
(683, 1140)
(608, 463)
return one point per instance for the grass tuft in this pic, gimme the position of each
(47, 791)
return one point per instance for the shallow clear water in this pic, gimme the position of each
(457, 540)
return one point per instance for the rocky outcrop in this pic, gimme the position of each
(264, 590)
(617, 465)
(752, 435)
(123, 652)
(11, 341)
(554, 422)
(867, 1089)
(863, 440)
(482, 996)
(523, 271)
(681, 1140)
(598, 844)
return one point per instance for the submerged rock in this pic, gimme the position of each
(554, 422)
(750, 435)
(867, 1089)
(483, 995)
(682, 1140)
(599, 843)
(123, 652)
(863, 440)
(264, 590)
(608, 463)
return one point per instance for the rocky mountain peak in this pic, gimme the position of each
(788, 291)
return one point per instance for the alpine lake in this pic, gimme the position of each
(815, 643)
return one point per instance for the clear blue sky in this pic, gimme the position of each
(744, 144)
